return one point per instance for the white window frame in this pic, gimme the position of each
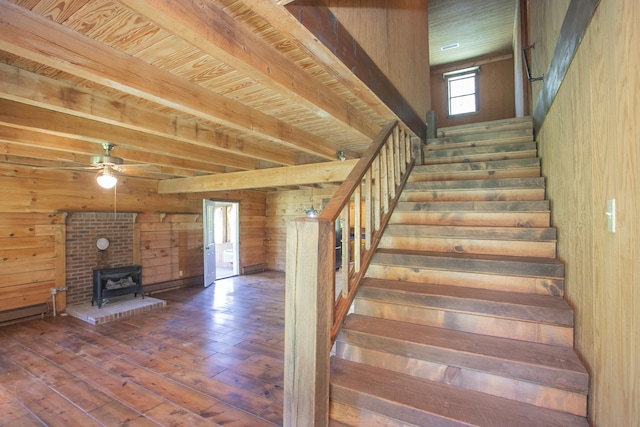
(457, 75)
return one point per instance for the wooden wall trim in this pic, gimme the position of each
(325, 26)
(574, 27)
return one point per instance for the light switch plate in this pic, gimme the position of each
(611, 215)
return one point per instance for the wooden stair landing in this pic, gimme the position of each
(460, 319)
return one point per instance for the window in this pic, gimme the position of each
(462, 91)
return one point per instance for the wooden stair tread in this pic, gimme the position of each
(527, 167)
(525, 122)
(547, 234)
(505, 265)
(523, 189)
(471, 315)
(496, 136)
(476, 184)
(477, 166)
(421, 402)
(477, 150)
(474, 206)
(549, 309)
(554, 366)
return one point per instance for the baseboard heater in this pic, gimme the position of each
(23, 313)
(184, 282)
(255, 268)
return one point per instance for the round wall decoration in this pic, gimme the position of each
(102, 243)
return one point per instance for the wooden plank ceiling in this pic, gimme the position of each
(480, 28)
(185, 88)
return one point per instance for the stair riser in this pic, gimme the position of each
(560, 315)
(485, 382)
(499, 266)
(469, 246)
(467, 322)
(515, 234)
(491, 136)
(448, 143)
(520, 168)
(477, 174)
(488, 157)
(473, 146)
(516, 194)
(470, 280)
(522, 124)
(481, 219)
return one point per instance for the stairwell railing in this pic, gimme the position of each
(315, 305)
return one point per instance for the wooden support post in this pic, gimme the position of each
(308, 319)
(384, 179)
(417, 150)
(432, 124)
(346, 250)
(60, 253)
(368, 207)
(391, 169)
(377, 192)
(357, 227)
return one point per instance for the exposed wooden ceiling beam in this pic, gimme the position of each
(208, 27)
(38, 39)
(283, 176)
(285, 23)
(28, 117)
(64, 150)
(37, 90)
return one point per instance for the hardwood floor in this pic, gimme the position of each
(212, 357)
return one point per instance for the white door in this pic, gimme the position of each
(225, 224)
(208, 242)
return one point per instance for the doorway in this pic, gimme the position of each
(221, 240)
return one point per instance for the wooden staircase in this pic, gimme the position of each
(461, 319)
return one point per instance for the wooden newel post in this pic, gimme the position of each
(310, 276)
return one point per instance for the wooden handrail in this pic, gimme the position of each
(313, 312)
(342, 196)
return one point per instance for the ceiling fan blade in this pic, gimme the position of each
(125, 167)
(64, 167)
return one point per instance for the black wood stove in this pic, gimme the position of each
(116, 281)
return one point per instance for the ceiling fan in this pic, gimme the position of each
(107, 166)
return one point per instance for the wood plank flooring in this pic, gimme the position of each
(212, 357)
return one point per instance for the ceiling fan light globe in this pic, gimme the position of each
(106, 178)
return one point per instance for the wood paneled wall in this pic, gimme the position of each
(170, 246)
(31, 230)
(547, 14)
(589, 144)
(405, 64)
(31, 259)
(283, 206)
(496, 92)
